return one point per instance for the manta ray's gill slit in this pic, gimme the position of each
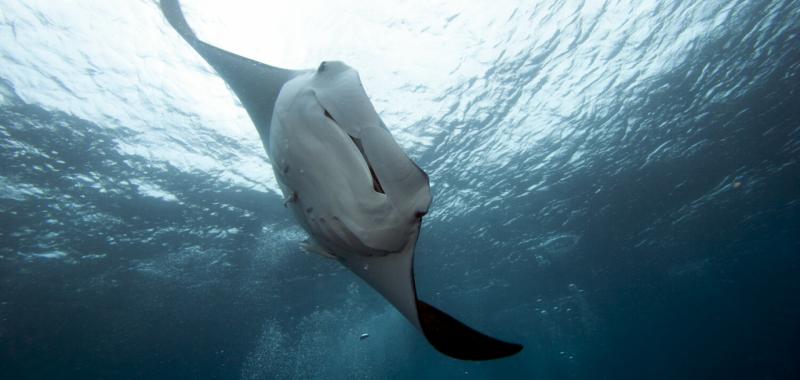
(376, 184)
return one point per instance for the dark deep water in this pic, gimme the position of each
(621, 221)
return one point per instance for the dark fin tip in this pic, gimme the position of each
(457, 340)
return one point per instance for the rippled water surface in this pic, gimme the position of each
(616, 185)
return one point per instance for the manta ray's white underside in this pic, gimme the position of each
(346, 180)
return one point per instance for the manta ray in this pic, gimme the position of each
(347, 182)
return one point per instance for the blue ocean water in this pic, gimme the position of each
(616, 186)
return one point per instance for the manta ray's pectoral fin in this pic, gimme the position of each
(255, 84)
(393, 277)
(312, 247)
(453, 338)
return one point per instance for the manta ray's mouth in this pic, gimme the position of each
(376, 184)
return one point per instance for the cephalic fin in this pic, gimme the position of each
(290, 199)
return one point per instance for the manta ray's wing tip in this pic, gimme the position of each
(455, 339)
(173, 13)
